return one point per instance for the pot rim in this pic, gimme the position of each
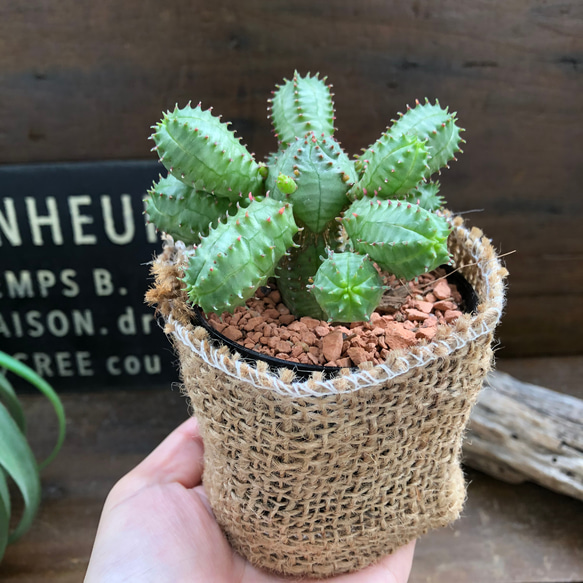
(469, 305)
(472, 252)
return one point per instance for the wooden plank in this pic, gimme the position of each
(530, 327)
(507, 533)
(138, 58)
(85, 81)
(545, 287)
(562, 374)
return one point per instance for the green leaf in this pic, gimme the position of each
(4, 492)
(18, 461)
(296, 270)
(4, 513)
(10, 400)
(20, 369)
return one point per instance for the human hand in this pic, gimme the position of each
(157, 527)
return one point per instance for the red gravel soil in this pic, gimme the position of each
(409, 313)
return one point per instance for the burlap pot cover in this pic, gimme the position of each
(325, 476)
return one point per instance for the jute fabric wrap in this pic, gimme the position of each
(323, 476)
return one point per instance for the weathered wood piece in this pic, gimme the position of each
(522, 432)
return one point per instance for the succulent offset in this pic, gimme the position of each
(320, 223)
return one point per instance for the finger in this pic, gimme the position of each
(398, 565)
(179, 458)
(392, 569)
(200, 492)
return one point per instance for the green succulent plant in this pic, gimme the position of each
(310, 216)
(17, 461)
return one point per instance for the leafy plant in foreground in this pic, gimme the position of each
(310, 215)
(17, 462)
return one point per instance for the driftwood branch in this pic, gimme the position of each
(522, 432)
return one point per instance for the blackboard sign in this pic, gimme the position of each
(74, 249)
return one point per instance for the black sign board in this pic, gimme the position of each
(74, 249)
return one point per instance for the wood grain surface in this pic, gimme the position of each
(508, 533)
(84, 81)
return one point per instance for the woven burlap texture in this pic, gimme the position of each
(321, 477)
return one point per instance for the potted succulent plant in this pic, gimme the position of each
(327, 472)
(17, 461)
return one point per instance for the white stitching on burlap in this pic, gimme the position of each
(362, 379)
(359, 380)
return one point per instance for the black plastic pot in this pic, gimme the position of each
(469, 305)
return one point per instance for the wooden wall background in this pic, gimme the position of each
(84, 80)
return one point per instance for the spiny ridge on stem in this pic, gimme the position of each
(200, 150)
(347, 287)
(402, 238)
(184, 212)
(317, 166)
(434, 124)
(296, 271)
(301, 105)
(239, 255)
(426, 195)
(392, 166)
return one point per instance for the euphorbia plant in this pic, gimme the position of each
(310, 216)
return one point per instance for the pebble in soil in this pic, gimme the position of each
(408, 314)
